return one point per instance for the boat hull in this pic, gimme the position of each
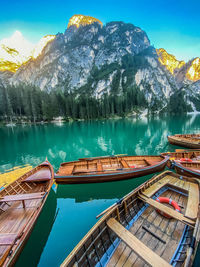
(184, 143)
(109, 177)
(180, 169)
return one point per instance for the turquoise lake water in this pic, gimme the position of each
(70, 210)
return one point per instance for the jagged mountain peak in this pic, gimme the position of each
(82, 20)
(193, 72)
(169, 60)
(72, 56)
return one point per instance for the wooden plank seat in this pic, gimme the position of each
(169, 211)
(99, 166)
(40, 176)
(124, 164)
(22, 197)
(19, 197)
(193, 202)
(136, 245)
(151, 190)
(151, 162)
(7, 239)
(66, 170)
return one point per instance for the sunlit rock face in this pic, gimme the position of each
(81, 20)
(16, 50)
(169, 61)
(41, 44)
(69, 60)
(110, 59)
(193, 72)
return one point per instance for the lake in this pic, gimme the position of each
(70, 210)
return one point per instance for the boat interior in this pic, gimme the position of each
(189, 137)
(193, 155)
(134, 233)
(109, 164)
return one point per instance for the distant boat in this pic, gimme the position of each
(109, 168)
(185, 140)
(139, 229)
(20, 205)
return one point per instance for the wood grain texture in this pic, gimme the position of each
(135, 244)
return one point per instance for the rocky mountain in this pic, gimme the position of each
(97, 60)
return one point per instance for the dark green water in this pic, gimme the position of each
(70, 210)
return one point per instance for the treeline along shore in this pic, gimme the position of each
(29, 103)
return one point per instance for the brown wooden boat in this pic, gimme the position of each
(191, 169)
(182, 156)
(20, 205)
(185, 140)
(107, 169)
(141, 231)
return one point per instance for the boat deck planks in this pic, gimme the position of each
(193, 202)
(166, 229)
(136, 245)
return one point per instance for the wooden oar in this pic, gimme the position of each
(108, 156)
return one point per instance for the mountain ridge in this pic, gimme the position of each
(110, 60)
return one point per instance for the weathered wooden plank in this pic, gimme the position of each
(7, 238)
(99, 166)
(155, 187)
(21, 197)
(124, 163)
(193, 202)
(135, 244)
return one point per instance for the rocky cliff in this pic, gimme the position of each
(96, 59)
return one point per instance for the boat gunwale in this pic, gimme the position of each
(81, 160)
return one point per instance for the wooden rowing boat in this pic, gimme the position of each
(182, 156)
(133, 233)
(20, 205)
(191, 169)
(106, 169)
(185, 140)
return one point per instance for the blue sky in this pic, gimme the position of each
(170, 24)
